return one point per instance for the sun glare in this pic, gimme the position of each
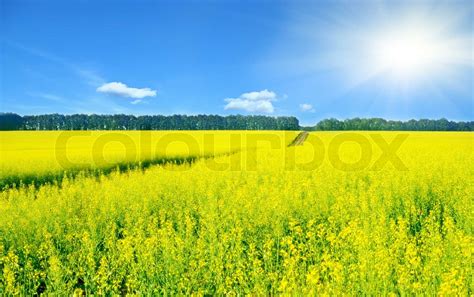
(402, 56)
(402, 51)
(406, 56)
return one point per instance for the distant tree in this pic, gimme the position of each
(372, 124)
(155, 122)
(10, 121)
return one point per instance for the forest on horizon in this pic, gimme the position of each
(12, 121)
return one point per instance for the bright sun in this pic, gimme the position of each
(398, 50)
(406, 56)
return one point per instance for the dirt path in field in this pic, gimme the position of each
(299, 140)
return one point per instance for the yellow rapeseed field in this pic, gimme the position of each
(322, 218)
(29, 156)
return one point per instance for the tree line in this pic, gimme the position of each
(378, 124)
(11, 121)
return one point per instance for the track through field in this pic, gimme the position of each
(300, 139)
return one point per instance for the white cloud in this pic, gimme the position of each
(121, 89)
(305, 107)
(249, 105)
(258, 101)
(264, 95)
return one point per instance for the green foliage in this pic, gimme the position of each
(156, 122)
(10, 121)
(374, 124)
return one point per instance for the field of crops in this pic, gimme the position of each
(46, 156)
(269, 220)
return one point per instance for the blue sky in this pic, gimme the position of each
(313, 60)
